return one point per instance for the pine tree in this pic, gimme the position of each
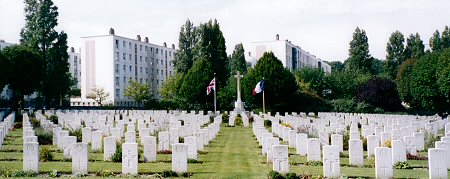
(395, 53)
(359, 58)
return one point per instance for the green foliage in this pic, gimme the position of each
(45, 155)
(105, 173)
(380, 92)
(404, 80)
(359, 58)
(187, 39)
(237, 60)
(169, 173)
(193, 89)
(21, 173)
(227, 96)
(53, 119)
(345, 84)
(4, 69)
(279, 85)
(225, 118)
(402, 165)
(435, 41)
(430, 140)
(171, 86)
(443, 76)
(98, 94)
(370, 162)
(117, 157)
(336, 66)
(44, 137)
(193, 161)
(292, 176)
(39, 34)
(138, 91)
(414, 47)
(314, 79)
(53, 174)
(267, 123)
(238, 121)
(22, 59)
(314, 163)
(395, 53)
(77, 133)
(35, 123)
(275, 175)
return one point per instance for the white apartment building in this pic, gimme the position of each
(75, 66)
(292, 56)
(4, 44)
(110, 61)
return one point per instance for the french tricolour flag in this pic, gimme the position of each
(259, 87)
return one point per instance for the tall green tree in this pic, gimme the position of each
(435, 41)
(211, 47)
(138, 91)
(359, 58)
(193, 89)
(25, 72)
(314, 79)
(395, 53)
(279, 85)
(404, 79)
(336, 66)
(171, 87)
(443, 76)
(4, 70)
(414, 47)
(446, 38)
(41, 19)
(237, 60)
(186, 42)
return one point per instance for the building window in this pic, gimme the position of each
(140, 59)
(140, 47)
(130, 56)
(124, 80)
(140, 80)
(117, 55)
(117, 81)
(124, 44)
(157, 50)
(117, 68)
(141, 69)
(130, 68)
(117, 43)
(162, 63)
(117, 92)
(124, 56)
(129, 45)
(124, 68)
(162, 72)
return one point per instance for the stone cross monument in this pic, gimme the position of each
(238, 106)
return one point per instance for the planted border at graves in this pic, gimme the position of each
(46, 154)
(77, 133)
(44, 137)
(53, 119)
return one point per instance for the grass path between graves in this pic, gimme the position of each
(233, 154)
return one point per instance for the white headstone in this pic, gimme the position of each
(68, 141)
(398, 151)
(337, 140)
(199, 136)
(355, 151)
(80, 158)
(86, 135)
(31, 156)
(437, 167)
(109, 147)
(130, 137)
(331, 166)
(129, 158)
(149, 143)
(313, 149)
(372, 142)
(269, 143)
(383, 163)
(280, 158)
(179, 158)
(191, 142)
(163, 141)
(96, 142)
(324, 138)
(446, 146)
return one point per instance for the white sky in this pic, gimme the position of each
(324, 28)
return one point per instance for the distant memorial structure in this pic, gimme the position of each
(238, 106)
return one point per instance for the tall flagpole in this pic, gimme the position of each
(215, 82)
(264, 99)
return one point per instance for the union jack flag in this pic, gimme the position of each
(212, 86)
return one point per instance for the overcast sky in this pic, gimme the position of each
(324, 28)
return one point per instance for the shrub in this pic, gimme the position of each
(314, 163)
(370, 162)
(343, 105)
(292, 176)
(45, 155)
(21, 173)
(105, 173)
(225, 118)
(364, 142)
(54, 119)
(238, 120)
(77, 133)
(44, 137)
(17, 125)
(35, 123)
(164, 152)
(267, 123)
(380, 92)
(169, 173)
(387, 143)
(117, 157)
(193, 161)
(402, 165)
(275, 175)
(181, 139)
(6, 171)
(416, 157)
(53, 174)
(430, 139)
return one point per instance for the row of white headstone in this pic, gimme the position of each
(5, 126)
(331, 157)
(244, 117)
(78, 152)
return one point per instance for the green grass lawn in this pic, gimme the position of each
(233, 154)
